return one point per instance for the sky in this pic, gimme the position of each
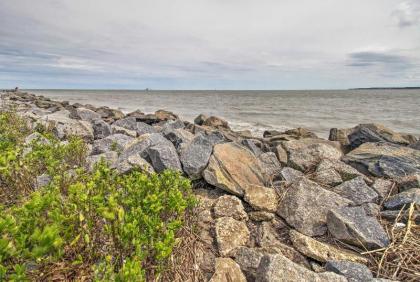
(209, 44)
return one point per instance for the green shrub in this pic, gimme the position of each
(120, 227)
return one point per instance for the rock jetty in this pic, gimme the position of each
(288, 206)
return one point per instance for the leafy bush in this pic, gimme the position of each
(118, 227)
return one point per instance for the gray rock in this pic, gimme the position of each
(42, 180)
(171, 125)
(114, 142)
(36, 137)
(143, 128)
(140, 145)
(195, 156)
(384, 188)
(134, 162)
(251, 145)
(415, 145)
(110, 157)
(365, 133)
(118, 129)
(407, 182)
(164, 157)
(289, 174)
(100, 129)
(357, 191)
(270, 166)
(354, 272)
(64, 126)
(200, 119)
(84, 114)
(128, 123)
(333, 172)
(230, 206)
(397, 201)
(384, 160)
(249, 259)
(306, 153)
(305, 205)
(131, 123)
(278, 268)
(371, 209)
(353, 226)
(179, 137)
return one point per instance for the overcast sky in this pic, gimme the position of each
(209, 44)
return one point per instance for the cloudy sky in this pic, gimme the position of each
(209, 44)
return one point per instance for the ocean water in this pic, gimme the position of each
(317, 110)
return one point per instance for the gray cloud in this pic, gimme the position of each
(206, 43)
(366, 59)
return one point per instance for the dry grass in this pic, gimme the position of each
(183, 264)
(401, 259)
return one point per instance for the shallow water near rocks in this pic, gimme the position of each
(317, 110)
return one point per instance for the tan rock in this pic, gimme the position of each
(230, 206)
(306, 153)
(230, 234)
(233, 168)
(262, 198)
(227, 270)
(322, 251)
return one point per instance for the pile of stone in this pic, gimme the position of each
(271, 207)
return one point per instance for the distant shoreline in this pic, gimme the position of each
(387, 88)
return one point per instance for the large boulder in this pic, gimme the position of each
(179, 137)
(195, 156)
(64, 126)
(280, 269)
(384, 160)
(131, 123)
(114, 142)
(320, 251)
(353, 137)
(142, 143)
(226, 270)
(230, 234)
(304, 154)
(234, 169)
(101, 129)
(371, 132)
(357, 191)
(305, 205)
(84, 114)
(351, 225)
(164, 156)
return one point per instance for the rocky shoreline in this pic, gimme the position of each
(286, 207)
